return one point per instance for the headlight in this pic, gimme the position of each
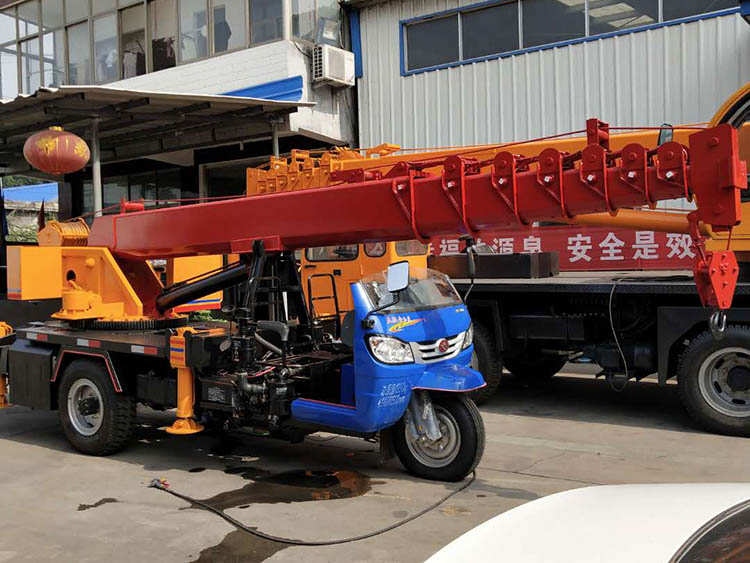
(390, 350)
(468, 337)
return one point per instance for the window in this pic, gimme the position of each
(79, 54)
(375, 249)
(100, 6)
(229, 24)
(105, 48)
(114, 189)
(675, 9)
(193, 29)
(8, 71)
(411, 248)
(143, 186)
(490, 30)
(317, 21)
(487, 30)
(28, 18)
(30, 66)
(133, 30)
(614, 15)
(265, 20)
(332, 253)
(303, 19)
(54, 58)
(550, 21)
(54, 42)
(52, 14)
(169, 187)
(432, 42)
(76, 9)
(328, 23)
(163, 33)
(7, 25)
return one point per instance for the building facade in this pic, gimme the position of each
(249, 48)
(461, 72)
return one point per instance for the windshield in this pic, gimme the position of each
(428, 289)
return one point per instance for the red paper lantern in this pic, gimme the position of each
(56, 151)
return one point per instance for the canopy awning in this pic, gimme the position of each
(134, 123)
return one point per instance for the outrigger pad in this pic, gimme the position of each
(184, 426)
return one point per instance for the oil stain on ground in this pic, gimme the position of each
(290, 486)
(240, 546)
(96, 504)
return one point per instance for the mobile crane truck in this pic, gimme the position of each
(530, 322)
(401, 363)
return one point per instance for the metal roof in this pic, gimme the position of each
(137, 123)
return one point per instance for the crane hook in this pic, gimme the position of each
(717, 323)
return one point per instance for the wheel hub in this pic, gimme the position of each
(724, 381)
(88, 406)
(85, 407)
(441, 452)
(738, 379)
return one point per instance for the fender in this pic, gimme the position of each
(68, 354)
(450, 377)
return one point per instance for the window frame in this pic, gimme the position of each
(403, 24)
(338, 259)
(120, 5)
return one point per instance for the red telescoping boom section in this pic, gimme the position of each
(468, 196)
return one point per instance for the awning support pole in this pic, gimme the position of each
(96, 166)
(286, 20)
(275, 137)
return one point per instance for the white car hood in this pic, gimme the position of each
(614, 523)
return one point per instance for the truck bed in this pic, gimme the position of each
(679, 282)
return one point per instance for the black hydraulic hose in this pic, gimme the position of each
(205, 286)
(156, 484)
(275, 349)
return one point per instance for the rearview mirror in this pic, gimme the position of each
(398, 277)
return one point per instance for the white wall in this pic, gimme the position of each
(251, 67)
(677, 74)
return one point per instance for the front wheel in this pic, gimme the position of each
(453, 456)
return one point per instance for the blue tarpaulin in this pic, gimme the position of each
(34, 193)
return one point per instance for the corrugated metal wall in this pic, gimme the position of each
(677, 74)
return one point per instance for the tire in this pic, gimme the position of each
(462, 415)
(714, 381)
(485, 361)
(109, 426)
(534, 366)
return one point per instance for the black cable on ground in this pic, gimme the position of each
(157, 484)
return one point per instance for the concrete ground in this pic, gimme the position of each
(58, 505)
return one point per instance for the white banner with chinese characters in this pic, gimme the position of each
(590, 248)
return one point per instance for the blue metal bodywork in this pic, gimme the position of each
(375, 395)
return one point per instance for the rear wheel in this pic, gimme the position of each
(95, 419)
(453, 456)
(485, 361)
(714, 381)
(534, 366)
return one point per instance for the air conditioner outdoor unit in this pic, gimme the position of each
(333, 66)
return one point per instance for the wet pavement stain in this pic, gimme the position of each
(290, 486)
(107, 500)
(302, 485)
(504, 492)
(239, 546)
(225, 445)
